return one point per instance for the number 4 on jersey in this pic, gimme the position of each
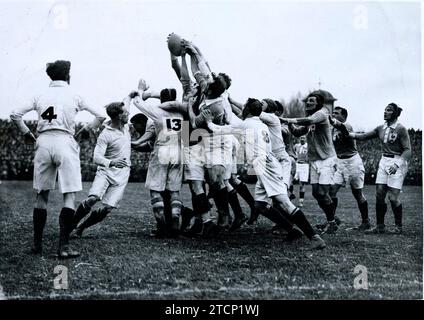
(49, 114)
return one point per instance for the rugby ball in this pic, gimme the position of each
(174, 44)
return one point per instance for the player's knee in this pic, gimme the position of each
(393, 198)
(92, 200)
(358, 195)
(380, 196)
(234, 180)
(106, 209)
(261, 207)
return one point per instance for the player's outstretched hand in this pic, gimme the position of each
(29, 138)
(393, 169)
(134, 94)
(284, 120)
(118, 163)
(142, 85)
(207, 114)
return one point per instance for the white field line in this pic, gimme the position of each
(182, 292)
(2, 295)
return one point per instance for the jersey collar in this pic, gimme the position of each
(58, 83)
(393, 126)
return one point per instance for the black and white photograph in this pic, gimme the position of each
(232, 151)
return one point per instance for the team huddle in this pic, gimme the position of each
(201, 140)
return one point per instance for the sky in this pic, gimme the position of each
(367, 54)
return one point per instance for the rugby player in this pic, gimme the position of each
(57, 152)
(393, 166)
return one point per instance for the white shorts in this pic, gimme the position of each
(218, 150)
(394, 180)
(57, 155)
(109, 185)
(302, 172)
(270, 181)
(232, 167)
(194, 161)
(286, 166)
(161, 176)
(350, 171)
(322, 171)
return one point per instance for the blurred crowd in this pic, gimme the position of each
(16, 158)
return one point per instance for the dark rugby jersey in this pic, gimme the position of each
(345, 146)
(394, 139)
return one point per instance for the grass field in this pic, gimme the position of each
(120, 261)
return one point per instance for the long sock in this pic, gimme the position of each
(328, 209)
(277, 216)
(303, 223)
(363, 208)
(291, 188)
(302, 194)
(201, 206)
(66, 218)
(397, 211)
(95, 217)
(221, 200)
(244, 192)
(167, 208)
(380, 208)
(83, 209)
(335, 201)
(234, 203)
(39, 217)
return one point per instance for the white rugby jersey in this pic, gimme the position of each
(113, 144)
(168, 125)
(274, 126)
(257, 138)
(56, 109)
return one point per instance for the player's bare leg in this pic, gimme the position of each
(39, 217)
(65, 222)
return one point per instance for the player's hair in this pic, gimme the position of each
(397, 109)
(272, 107)
(279, 105)
(58, 70)
(216, 88)
(343, 111)
(320, 99)
(138, 118)
(252, 107)
(226, 78)
(114, 109)
(168, 95)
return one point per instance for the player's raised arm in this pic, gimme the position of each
(364, 136)
(236, 106)
(98, 120)
(17, 118)
(297, 131)
(315, 118)
(345, 130)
